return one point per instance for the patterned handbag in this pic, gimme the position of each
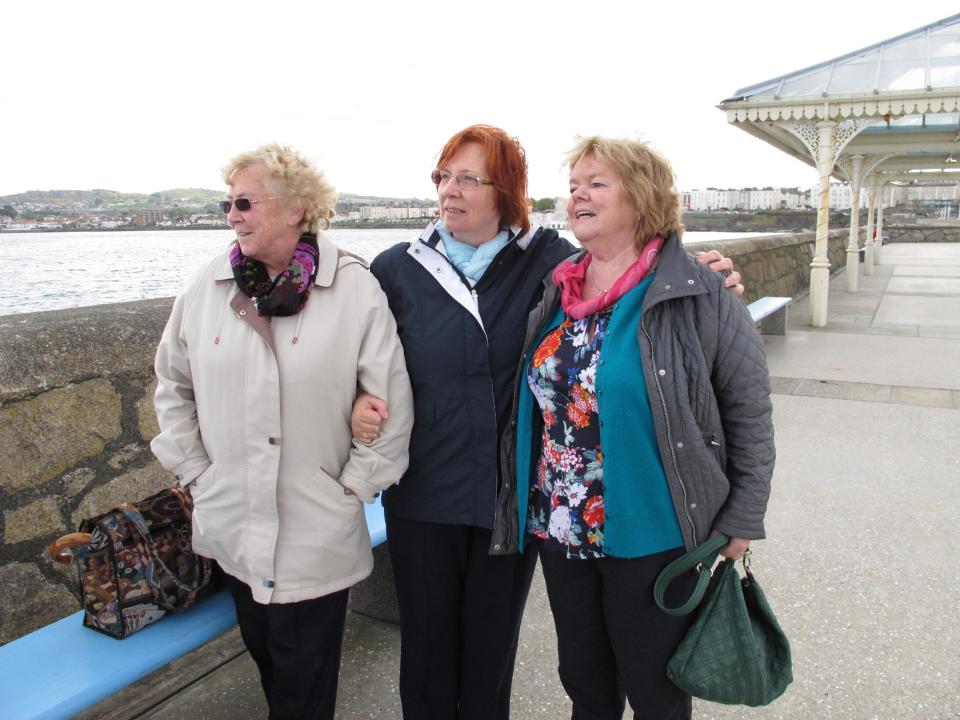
(135, 563)
(735, 652)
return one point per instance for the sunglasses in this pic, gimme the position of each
(465, 181)
(241, 204)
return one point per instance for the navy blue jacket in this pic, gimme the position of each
(462, 349)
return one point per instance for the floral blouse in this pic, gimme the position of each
(566, 508)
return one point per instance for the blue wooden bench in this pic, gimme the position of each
(61, 669)
(771, 314)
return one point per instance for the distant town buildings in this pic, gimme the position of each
(356, 210)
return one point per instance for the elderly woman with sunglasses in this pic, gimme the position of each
(643, 426)
(256, 376)
(461, 295)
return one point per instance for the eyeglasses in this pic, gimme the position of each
(242, 204)
(465, 181)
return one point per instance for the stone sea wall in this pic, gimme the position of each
(76, 419)
(779, 265)
(923, 233)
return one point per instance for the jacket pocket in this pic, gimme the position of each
(199, 491)
(712, 441)
(333, 488)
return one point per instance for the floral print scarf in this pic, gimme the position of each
(288, 292)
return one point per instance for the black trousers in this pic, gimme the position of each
(460, 612)
(613, 641)
(297, 649)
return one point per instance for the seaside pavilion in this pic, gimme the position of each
(888, 113)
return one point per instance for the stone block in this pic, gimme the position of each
(43, 436)
(929, 397)
(30, 601)
(75, 481)
(36, 520)
(54, 348)
(146, 414)
(125, 456)
(129, 487)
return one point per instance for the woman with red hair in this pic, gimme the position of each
(461, 295)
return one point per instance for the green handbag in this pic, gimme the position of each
(735, 652)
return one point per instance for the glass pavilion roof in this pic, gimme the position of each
(924, 59)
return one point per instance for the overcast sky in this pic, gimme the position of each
(146, 96)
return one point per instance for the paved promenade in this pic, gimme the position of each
(860, 565)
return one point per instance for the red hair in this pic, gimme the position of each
(506, 168)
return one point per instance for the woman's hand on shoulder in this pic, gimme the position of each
(716, 262)
(368, 415)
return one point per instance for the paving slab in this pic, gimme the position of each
(920, 254)
(925, 285)
(875, 359)
(927, 271)
(935, 311)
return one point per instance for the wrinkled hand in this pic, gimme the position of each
(368, 415)
(718, 263)
(735, 548)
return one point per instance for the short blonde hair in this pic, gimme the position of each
(645, 175)
(292, 178)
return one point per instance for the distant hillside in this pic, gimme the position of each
(100, 197)
(186, 197)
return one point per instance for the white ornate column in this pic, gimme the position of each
(878, 248)
(825, 140)
(820, 267)
(853, 242)
(871, 208)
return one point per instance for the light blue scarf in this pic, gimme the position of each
(472, 261)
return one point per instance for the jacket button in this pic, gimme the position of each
(497, 546)
(690, 282)
(661, 372)
(666, 287)
(693, 506)
(680, 445)
(506, 485)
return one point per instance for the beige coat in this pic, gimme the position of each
(254, 416)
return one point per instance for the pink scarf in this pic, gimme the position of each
(571, 277)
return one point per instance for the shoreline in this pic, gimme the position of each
(152, 228)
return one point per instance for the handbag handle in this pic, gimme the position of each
(60, 547)
(700, 558)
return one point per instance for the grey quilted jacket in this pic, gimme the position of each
(709, 389)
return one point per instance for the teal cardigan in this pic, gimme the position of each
(640, 518)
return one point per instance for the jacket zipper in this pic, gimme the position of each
(666, 418)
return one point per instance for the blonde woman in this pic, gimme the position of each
(643, 426)
(257, 371)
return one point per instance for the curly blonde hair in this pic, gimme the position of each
(292, 178)
(645, 175)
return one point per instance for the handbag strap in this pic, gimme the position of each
(700, 558)
(140, 526)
